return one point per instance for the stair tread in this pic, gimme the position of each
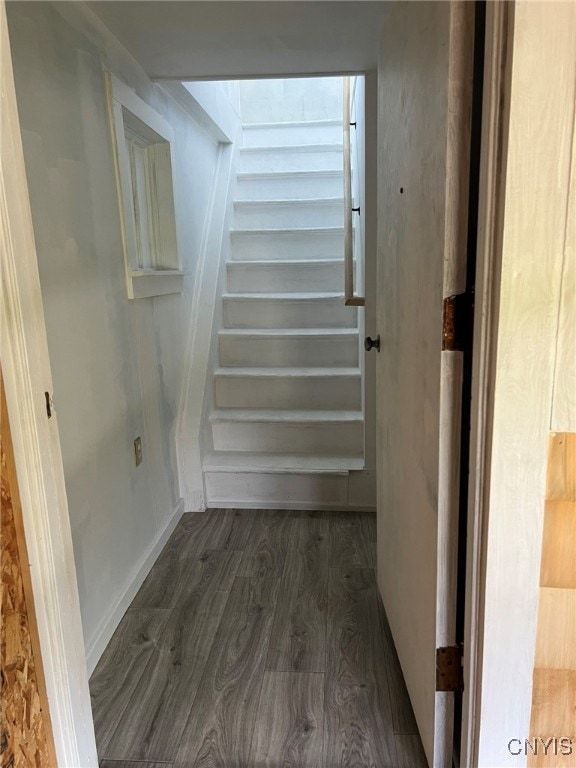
(233, 461)
(288, 231)
(334, 147)
(287, 332)
(282, 296)
(323, 173)
(284, 372)
(288, 263)
(284, 416)
(290, 201)
(321, 122)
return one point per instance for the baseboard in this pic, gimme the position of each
(299, 505)
(296, 490)
(95, 648)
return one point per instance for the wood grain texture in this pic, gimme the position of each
(26, 735)
(232, 528)
(219, 731)
(188, 684)
(553, 714)
(159, 707)
(559, 545)
(120, 668)
(266, 551)
(556, 638)
(554, 684)
(161, 586)
(358, 713)
(352, 540)
(561, 476)
(564, 398)
(402, 712)
(298, 638)
(306, 525)
(409, 752)
(132, 764)
(289, 725)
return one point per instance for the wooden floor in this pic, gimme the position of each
(257, 641)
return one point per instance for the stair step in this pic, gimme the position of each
(286, 275)
(289, 347)
(281, 463)
(304, 157)
(292, 184)
(302, 244)
(274, 214)
(292, 310)
(288, 388)
(292, 133)
(259, 430)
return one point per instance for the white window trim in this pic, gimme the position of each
(140, 283)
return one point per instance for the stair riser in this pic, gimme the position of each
(274, 313)
(287, 187)
(298, 278)
(288, 245)
(280, 134)
(287, 159)
(278, 437)
(299, 393)
(341, 351)
(288, 215)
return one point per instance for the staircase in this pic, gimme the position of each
(287, 426)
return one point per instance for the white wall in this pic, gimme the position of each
(117, 364)
(291, 99)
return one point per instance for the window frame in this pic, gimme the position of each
(155, 270)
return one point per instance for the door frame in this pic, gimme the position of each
(494, 141)
(28, 382)
(27, 375)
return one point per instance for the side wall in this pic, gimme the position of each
(117, 364)
(535, 388)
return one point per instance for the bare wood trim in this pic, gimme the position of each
(495, 110)
(349, 299)
(38, 459)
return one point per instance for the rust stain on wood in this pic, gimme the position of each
(25, 735)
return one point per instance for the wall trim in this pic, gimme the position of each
(37, 453)
(107, 627)
(495, 113)
(216, 504)
(200, 325)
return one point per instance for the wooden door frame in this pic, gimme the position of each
(494, 141)
(38, 458)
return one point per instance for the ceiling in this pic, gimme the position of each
(225, 40)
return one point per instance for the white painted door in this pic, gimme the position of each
(424, 96)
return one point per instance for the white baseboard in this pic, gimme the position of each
(305, 506)
(95, 648)
(354, 490)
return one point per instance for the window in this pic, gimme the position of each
(142, 142)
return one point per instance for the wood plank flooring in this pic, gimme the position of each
(258, 640)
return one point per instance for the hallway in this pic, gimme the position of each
(258, 639)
